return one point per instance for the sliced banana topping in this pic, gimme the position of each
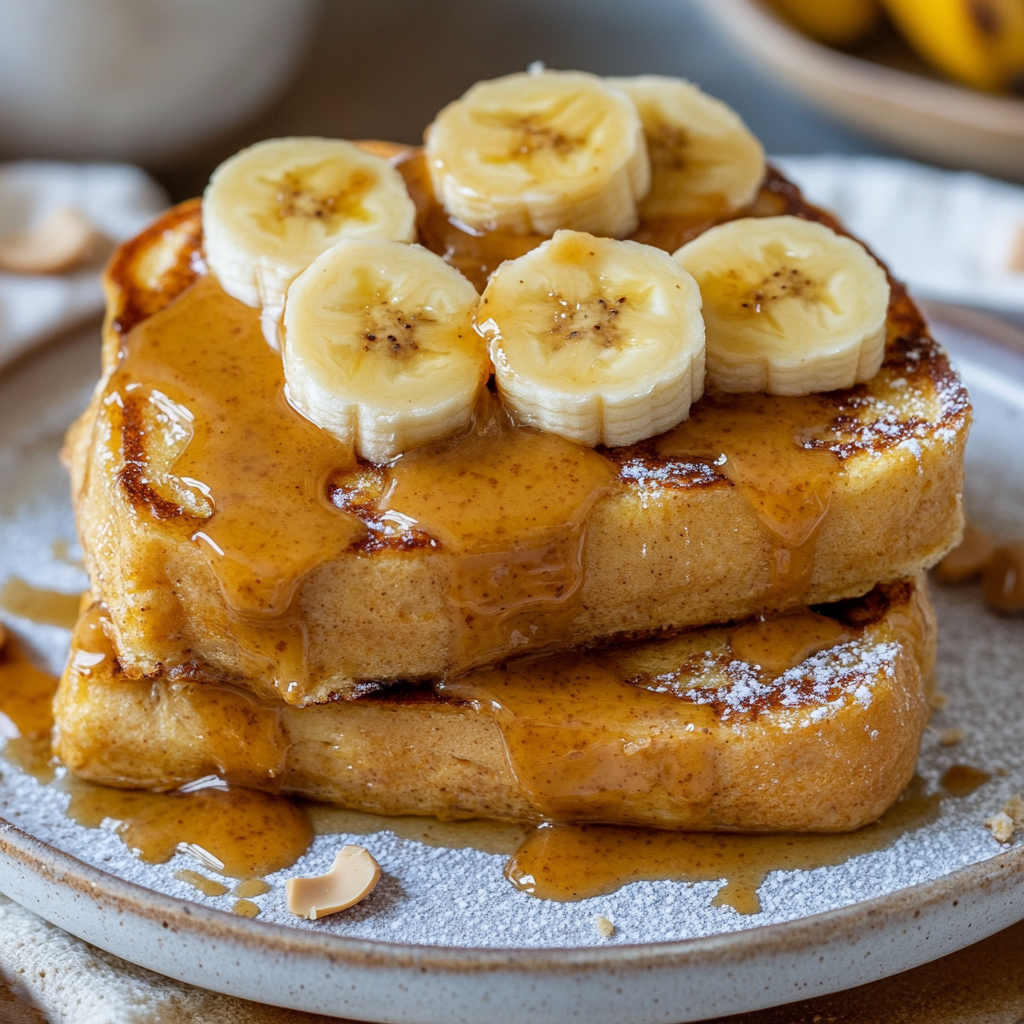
(379, 348)
(705, 162)
(594, 339)
(271, 209)
(540, 151)
(790, 306)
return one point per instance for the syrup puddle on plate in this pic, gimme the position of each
(246, 834)
(47, 607)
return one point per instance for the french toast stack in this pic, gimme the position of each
(571, 467)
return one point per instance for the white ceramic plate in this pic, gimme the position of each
(445, 937)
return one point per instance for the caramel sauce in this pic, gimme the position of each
(48, 607)
(241, 833)
(775, 454)
(245, 908)
(963, 780)
(26, 711)
(575, 862)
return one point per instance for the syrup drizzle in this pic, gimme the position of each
(26, 711)
(48, 607)
(575, 862)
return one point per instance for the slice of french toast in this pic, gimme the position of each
(803, 721)
(230, 539)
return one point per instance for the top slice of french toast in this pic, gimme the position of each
(231, 538)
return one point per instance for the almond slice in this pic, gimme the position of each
(60, 240)
(352, 877)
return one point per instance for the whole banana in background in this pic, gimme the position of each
(977, 42)
(833, 22)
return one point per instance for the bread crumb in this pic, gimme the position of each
(950, 737)
(1014, 807)
(938, 701)
(604, 927)
(1001, 826)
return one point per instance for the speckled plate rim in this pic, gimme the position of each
(685, 980)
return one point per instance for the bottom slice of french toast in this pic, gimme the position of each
(807, 721)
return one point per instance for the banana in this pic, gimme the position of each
(271, 209)
(705, 162)
(977, 42)
(379, 348)
(597, 340)
(540, 151)
(790, 306)
(834, 22)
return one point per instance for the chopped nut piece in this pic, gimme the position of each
(1003, 581)
(1014, 807)
(938, 701)
(604, 927)
(950, 737)
(62, 239)
(351, 878)
(1001, 826)
(968, 559)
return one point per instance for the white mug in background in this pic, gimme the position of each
(139, 79)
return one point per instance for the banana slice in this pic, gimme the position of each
(598, 340)
(790, 306)
(271, 209)
(705, 162)
(379, 348)
(540, 151)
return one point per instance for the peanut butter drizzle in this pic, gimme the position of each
(580, 739)
(260, 465)
(241, 833)
(515, 537)
(774, 454)
(26, 711)
(49, 607)
(575, 862)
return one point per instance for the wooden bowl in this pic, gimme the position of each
(923, 116)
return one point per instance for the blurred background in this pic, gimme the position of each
(845, 90)
(178, 85)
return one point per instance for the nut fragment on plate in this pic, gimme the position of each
(60, 240)
(968, 559)
(352, 877)
(604, 927)
(1009, 820)
(950, 737)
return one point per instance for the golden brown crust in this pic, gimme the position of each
(827, 746)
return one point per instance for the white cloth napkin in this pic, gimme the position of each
(951, 236)
(118, 200)
(75, 983)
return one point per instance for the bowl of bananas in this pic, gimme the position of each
(942, 80)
